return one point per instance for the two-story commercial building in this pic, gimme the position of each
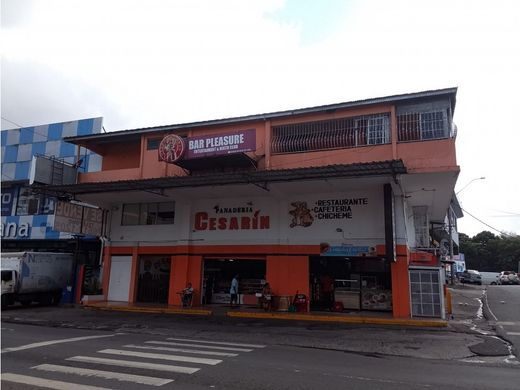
(343, 203)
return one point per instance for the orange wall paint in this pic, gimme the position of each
(288, 274)
(184, 269)
(122, 156)
(400, 288)
(428, 155)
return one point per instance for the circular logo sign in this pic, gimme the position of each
(171, 148)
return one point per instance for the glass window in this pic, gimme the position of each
(166, 213)
(130, 214)
(148, 213)
(28, 202)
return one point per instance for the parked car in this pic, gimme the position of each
(490, 277)
(471, 276)
(508, 277)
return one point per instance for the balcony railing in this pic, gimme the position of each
(331, 134)
(421, 126)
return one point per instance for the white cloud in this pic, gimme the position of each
(146, 63)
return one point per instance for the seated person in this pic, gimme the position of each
(187, 295)
(266, 297)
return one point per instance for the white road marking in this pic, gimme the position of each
(201, 346)
(218, 343)
(141, 379)
(193, 351)
(52, 342)
(177, 358)
(127, 363)
(49, 384)
(507, 323)
(513, 333)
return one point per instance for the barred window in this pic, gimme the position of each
(148, 213)
(331, 134)
(416, 126)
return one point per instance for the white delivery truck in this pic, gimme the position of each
(35, 277)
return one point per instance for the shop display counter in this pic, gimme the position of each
(347, 292)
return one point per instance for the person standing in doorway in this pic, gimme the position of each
(233, 291)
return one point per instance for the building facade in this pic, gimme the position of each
(344, 203)
(28, 214)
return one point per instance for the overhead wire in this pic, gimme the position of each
(488, 225)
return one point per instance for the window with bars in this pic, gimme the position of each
(331, 134)
(425, 289)
(420, 220)
(417, 126)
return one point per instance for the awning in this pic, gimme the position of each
(260, 178)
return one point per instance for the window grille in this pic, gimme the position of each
(425, 289)
(331, 134)
(416, 126)
(420, 219)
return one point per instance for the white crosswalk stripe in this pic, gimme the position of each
(200, 346)
(141, 379)
(218, 343)
(46, 383)
(192, 351)
(134, 356)
(134, 364)
(178, 358)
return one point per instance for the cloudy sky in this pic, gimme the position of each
(144, 63)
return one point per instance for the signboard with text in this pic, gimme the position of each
(174, 148)
(78, 219)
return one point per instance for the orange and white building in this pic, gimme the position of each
(345, 203)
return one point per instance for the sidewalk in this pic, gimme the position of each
(354, 317)
(352, 333)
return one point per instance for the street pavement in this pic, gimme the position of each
(469, 336)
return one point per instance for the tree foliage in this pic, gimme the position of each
(488, 252)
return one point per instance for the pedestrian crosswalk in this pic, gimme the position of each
(156, 358)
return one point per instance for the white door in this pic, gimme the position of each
(120, 270)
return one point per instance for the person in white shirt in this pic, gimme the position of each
(233, 291)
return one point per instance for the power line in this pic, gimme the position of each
(482, 222)
(14, 123)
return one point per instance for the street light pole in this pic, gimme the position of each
(477, 178)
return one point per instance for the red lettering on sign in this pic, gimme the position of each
(201, 221)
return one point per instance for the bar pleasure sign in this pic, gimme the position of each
(173, 147)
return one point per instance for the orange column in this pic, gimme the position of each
(400, 287)
(288, 274)
(185, 269)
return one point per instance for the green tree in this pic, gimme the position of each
(488, 252)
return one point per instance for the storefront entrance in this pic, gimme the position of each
(219, 272)
(350, 283)
(154, 279)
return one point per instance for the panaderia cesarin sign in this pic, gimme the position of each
(173, 147)
(232, 218)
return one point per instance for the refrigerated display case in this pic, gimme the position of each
(348, 292)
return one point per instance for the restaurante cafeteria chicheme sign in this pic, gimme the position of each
(173, 147)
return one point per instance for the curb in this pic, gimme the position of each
(199, 312)
(282, 316)
(344, 320)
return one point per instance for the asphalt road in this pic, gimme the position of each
(504, 308)
(71, 358)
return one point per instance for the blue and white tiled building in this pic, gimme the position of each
(27, 215)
